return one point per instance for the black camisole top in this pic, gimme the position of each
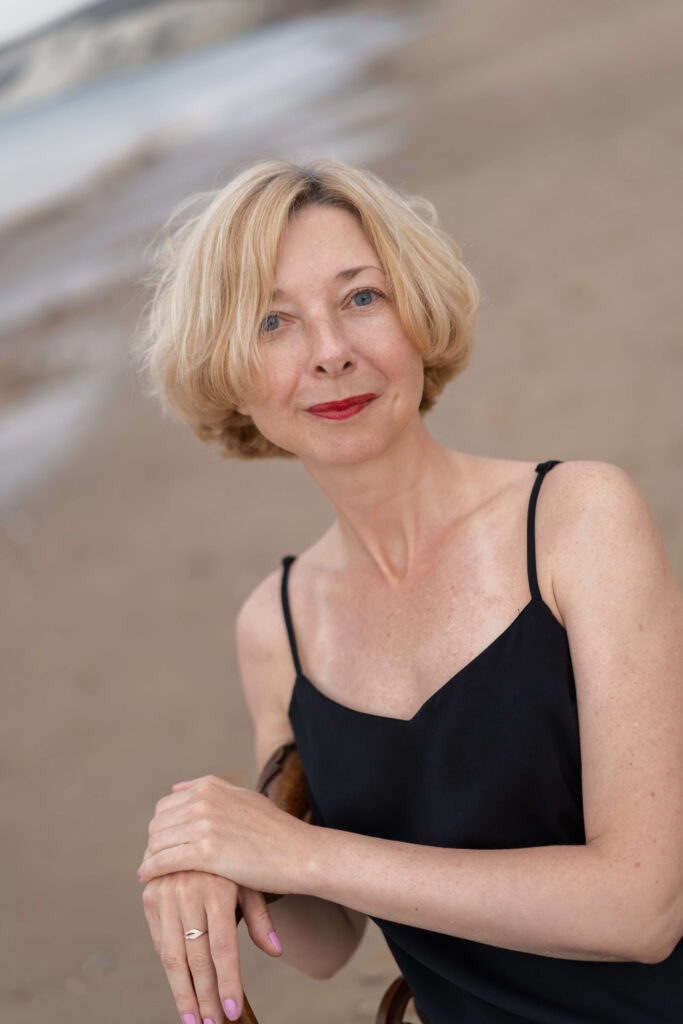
(492, 760)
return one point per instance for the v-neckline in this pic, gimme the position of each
(300, 677)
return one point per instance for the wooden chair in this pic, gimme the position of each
(282, 781)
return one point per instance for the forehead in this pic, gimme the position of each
(321, 241)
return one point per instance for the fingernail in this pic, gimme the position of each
(231, 1009)
(138, 872)
(189, 1018)
(276, 942)
(207, 1020)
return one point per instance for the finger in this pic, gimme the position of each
(188, 813)
(174, 959)
(174, 835)
(220, 912)
(258, 921)
(186, 809)
(192, 790)
(207, 778)
(198, 951)
(187, 857)
(172, 800)
(150, 905)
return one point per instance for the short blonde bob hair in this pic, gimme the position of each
(212, 278)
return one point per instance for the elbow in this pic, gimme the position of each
(321, 975)
(330, 970)
(656, 954)
(329, 974)
(318, 970)
(657, 943)
(648, 918)
(357, 924)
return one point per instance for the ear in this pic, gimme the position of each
(243, 409)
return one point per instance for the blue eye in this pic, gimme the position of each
(270, 317)
(365, 291)
(269, 326)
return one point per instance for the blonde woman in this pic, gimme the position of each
(480, 661)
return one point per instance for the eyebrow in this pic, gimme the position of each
(343, 275)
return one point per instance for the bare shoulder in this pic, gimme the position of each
(265, 664)
(586, 495)
(597, 522)
(589, 477)
(575, 479)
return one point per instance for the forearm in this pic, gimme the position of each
(317, 936)
(569, 902)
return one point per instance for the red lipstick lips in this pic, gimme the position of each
(343, 409)
(355, 399)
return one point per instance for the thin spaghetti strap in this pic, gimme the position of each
(286, 562)
(542, 468)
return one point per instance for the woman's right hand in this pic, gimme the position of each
(204, 973)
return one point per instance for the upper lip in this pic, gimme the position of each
(343, 403)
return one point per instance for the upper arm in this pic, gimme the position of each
(623, 612)
(267, 675)
(266, 672)
(266, 669)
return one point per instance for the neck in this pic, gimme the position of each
(393, 508)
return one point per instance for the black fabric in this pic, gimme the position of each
(492, 760)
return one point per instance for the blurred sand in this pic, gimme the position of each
(550, 139)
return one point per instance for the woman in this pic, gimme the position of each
(515, 831)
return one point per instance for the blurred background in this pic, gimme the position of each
(550, 138)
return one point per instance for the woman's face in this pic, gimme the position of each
(333, 333)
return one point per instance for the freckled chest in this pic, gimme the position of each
(385, 649)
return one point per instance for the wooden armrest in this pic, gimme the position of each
(282, 781)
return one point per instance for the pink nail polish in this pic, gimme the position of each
(189, 1018)
(207, 1020)
(276, 942)
(138, 872)
(231, 1009)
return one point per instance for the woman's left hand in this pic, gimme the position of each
(208, 824)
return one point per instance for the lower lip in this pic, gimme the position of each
(342, 414)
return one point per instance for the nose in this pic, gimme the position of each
(331, 353)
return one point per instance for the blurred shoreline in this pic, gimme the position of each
(197, 114)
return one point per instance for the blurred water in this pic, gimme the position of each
(250, 83)
(37, 431)
(271, 90)
(87, 178)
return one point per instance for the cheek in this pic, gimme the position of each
(269, 423)
(280, 373)
(270, 409)
(408, 368)
(268, 391)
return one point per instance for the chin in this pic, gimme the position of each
(345, 453)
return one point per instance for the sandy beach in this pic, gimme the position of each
(549, 138)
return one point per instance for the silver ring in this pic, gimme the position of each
(194, 933)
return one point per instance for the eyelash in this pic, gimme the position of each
(359, 291)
